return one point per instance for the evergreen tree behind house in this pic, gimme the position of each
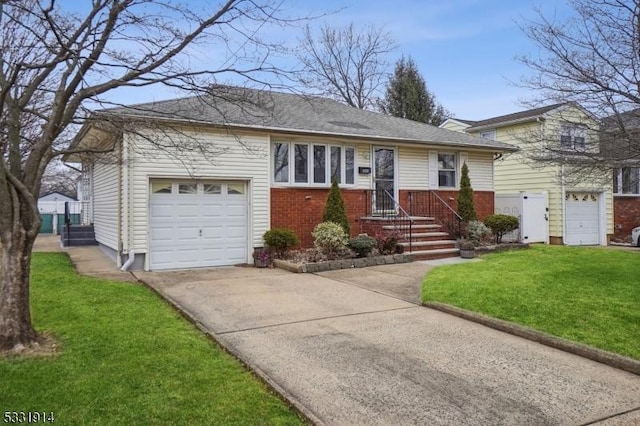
(407, 96)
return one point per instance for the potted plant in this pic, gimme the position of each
(262, 258)
(467, 250)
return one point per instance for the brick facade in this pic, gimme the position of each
(626, 216)
(300, 209)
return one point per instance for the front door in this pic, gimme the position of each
(384, 177)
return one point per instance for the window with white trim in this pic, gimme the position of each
(447, 170)
(313, 164)
(573, 137)
(626, 180)
(489, 134)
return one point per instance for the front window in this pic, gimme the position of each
(573, 138)
(446, 170)
(627, 180)
(314, 164)
(281, 162)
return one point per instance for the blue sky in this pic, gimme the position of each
(464, 49)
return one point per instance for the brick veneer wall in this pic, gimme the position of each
(300, 209)
(483, 201)
(626, 216)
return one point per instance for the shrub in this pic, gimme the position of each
(329, 238)
(362, 245)
(466, 209)
(280, 240)
(388, 241)
(501, 224)
(334, 208)
(478, 232)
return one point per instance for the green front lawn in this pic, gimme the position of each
(588, 295)
(127, 358)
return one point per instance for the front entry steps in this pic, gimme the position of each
(429, 240)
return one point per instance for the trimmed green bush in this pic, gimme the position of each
(501, 224)
(334, 210)
(329, 238)
(362, 245)
(466, 209)
(280, 240)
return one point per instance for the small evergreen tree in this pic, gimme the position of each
(466, 209)
(334, 210)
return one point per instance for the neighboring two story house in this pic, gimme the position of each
(626, 179)
(195, 182)
(579, 213)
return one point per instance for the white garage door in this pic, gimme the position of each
(582, 219)
(197, 224)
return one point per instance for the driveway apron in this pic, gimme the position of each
(349, 355)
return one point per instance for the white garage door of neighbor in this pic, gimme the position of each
(197, 224)
(582, 219)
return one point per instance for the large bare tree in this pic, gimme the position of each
(346, 64)
(57, 63)
(591, 58)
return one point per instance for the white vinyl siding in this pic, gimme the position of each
(105, 204)
(363, 160)
(480, 170)
(413, 168)
(239, 157)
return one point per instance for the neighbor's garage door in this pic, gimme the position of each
(197, 224)
(582, 219)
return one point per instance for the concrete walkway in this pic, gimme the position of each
(348, 355)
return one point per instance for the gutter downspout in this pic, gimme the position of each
(129, 262)
(119, 208)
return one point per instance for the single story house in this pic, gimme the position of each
(574, 213)
(196, 181)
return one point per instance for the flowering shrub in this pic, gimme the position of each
(329, 238)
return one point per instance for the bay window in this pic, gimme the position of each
(313, 164)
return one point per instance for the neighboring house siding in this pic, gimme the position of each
(456, 126)
(239, 157)
(518, 171)
(105, 204)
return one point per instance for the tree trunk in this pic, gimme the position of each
(15, 314)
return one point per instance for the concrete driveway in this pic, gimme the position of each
(350, 353)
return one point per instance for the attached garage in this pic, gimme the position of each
(582, 218)
(195, 224)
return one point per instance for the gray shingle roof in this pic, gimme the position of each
(295, 113)
(514, 117)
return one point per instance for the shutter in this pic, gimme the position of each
(433, 169)
(463, 157)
